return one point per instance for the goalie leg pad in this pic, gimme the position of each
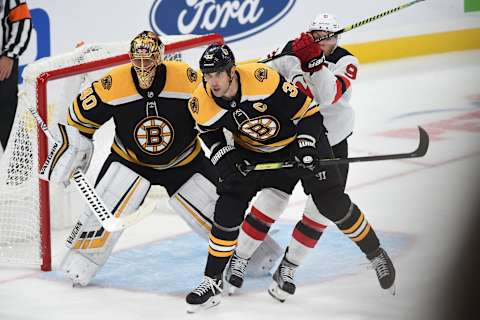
(90, 245)
(195, 203)
(264, 258)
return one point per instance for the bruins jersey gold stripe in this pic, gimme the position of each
(256, 146)
(182, 159)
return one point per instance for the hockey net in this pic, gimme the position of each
(29, 207)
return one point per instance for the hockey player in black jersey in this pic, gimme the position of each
(270, 120)
(325, 72)
(155, 143)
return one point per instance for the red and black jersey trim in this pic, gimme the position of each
(342, 85)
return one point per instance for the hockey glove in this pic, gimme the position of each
(226, 160)
(74, 152)
(306, 155)
(308, 52)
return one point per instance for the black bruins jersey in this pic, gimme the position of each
(264, 115)
(153, 127)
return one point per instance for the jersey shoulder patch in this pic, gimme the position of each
(203, 108)
(116, 85)
(257, 80)
(180, 77)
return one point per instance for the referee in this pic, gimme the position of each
(15, 29)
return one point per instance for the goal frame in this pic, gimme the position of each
(41, 86)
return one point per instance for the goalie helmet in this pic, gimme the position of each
(324, 22)
(216, 58)
(146, 53)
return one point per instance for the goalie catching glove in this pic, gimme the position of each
(73, 152)
(308, 52)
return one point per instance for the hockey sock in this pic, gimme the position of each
(253, 232)
(355, 226)
(304, 238)
(221, 245)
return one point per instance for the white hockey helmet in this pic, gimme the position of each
(324, 22)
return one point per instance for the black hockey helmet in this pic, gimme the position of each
(217, 57)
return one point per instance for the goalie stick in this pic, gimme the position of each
(348, 28)
(419, 152)
(108, 220)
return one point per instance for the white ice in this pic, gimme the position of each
(426, 200)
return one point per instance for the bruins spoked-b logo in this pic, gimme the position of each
(154, 135)
(107, 82)
(193, 104)
(191, 75)
(261, 74)
(261, 128)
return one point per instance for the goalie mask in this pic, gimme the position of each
(146, 53)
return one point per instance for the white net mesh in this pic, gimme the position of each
(21, 240)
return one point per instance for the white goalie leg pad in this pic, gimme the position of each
(71, 152)
(90, 245)
(310, 211)
(195, 203)
(264, 258)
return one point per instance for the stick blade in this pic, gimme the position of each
(423, 144)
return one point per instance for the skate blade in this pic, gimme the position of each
(212, 302)
(277, 293)
(231, 290)
(392, 289)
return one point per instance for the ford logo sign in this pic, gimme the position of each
(234, 19)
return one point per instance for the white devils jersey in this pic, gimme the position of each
(330, 87)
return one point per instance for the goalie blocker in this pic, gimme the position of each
(91, 245)
(73, 152)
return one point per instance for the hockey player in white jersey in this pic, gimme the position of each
(325, 72)
(155, 143)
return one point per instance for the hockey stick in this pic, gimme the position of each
(419, 152)
(108, 220)
(348, 28)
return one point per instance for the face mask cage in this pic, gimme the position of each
(146, 53)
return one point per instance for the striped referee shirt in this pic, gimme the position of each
(15, 28)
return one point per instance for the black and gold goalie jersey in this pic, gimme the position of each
(153, 127)
(267, 113)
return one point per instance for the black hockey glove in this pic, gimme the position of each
(306, 154)
(226, 159)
